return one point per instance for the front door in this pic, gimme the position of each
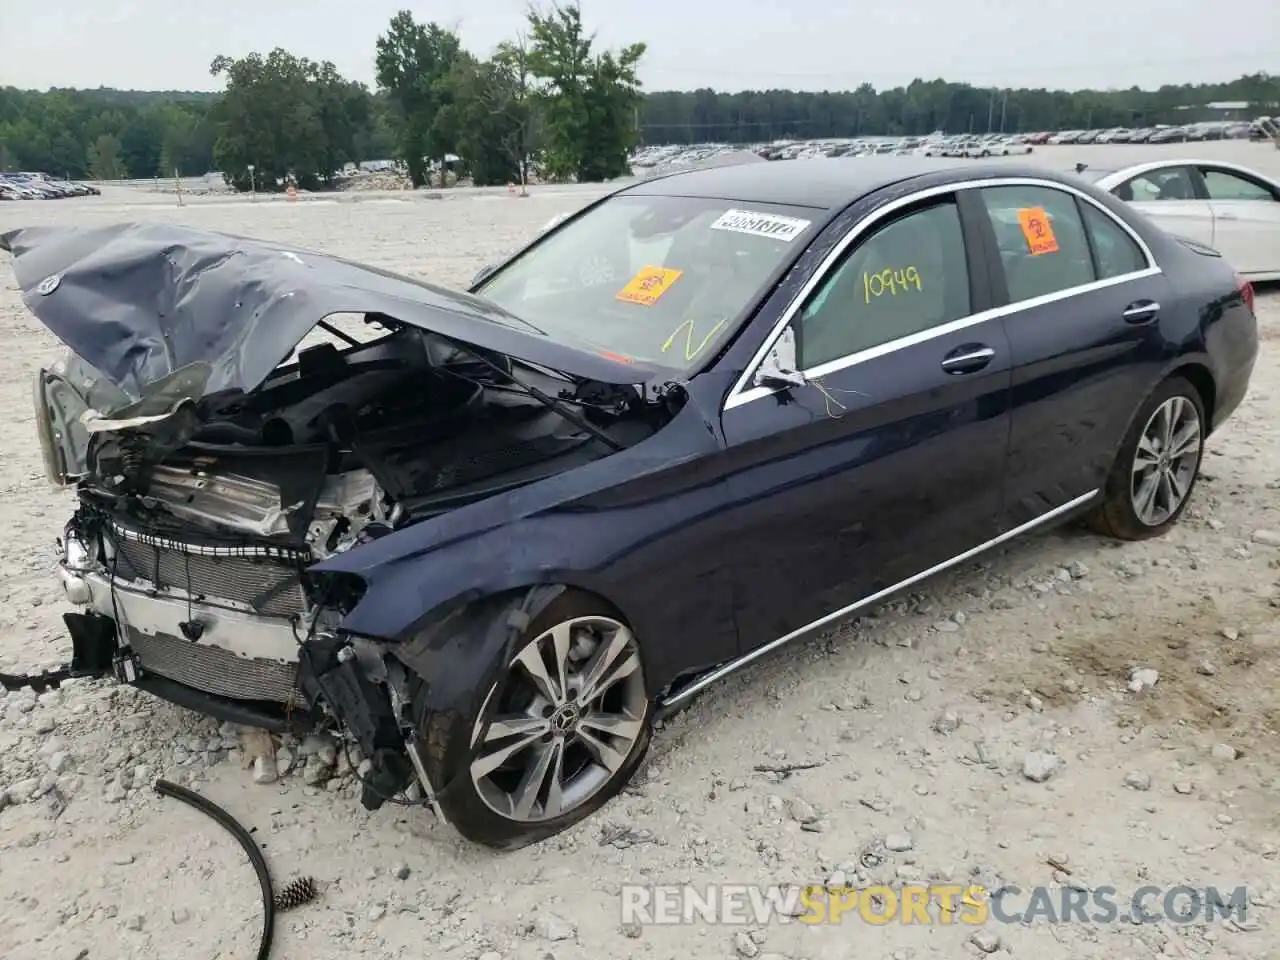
(888, 460)
(1246, 220)
(1083, 302)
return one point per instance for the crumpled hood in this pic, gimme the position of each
(141, 302)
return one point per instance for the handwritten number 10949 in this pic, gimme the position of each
(890, 281)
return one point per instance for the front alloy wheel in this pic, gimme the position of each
(561, 723)
(568, 715)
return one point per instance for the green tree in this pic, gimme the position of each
(498, 117)
(415, 66)
(104, 158)
(590, 102)
(292, 118)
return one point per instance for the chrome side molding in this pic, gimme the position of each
(719, 673)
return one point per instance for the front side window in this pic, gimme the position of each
(661, 280)
(906, 277)
(1230, 186)
(1041, 240)
(1167, 183)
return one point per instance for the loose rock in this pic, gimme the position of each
(551, 926)
(1038, 766)
(1143, 679)
(1138, 780)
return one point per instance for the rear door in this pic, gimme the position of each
(1246, 220)
(1174, 198)
(1083, 302)
(888, 460)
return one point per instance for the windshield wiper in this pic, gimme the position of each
(551, 403)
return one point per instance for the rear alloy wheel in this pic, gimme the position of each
(1151, 482)
(563, 727)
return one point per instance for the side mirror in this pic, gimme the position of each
(485, 272)
(779, 366)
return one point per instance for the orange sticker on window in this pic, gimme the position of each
(1038, 230)
(648, 285)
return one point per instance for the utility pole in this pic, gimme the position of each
(1004, 103)
(991, 109)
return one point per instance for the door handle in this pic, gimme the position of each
(1143, 311)
(1226, 216)
(968, 358)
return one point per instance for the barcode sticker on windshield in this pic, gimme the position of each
(769, 225)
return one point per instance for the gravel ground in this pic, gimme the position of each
(987, 724)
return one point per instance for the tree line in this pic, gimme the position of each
(548, 96)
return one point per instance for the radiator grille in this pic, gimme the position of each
(269, 586)
(214, 670)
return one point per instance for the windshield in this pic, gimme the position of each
(660, 280)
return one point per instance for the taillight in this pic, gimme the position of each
(1246, 291)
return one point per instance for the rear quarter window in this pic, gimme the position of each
(1114, 251)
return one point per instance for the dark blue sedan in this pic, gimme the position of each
(708, 415)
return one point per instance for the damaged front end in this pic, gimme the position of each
(222, 436)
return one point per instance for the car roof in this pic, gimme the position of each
(825, 183)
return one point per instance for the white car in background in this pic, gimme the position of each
(1228, 207)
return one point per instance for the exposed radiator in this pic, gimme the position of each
(214, 670)
(269, 586)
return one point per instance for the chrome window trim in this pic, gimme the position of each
(744, 392)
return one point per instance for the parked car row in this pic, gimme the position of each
(40, 186)
(989, 145)
(1161, 133)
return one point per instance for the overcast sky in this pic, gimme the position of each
(725, 44)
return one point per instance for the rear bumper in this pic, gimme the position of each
(192, 652)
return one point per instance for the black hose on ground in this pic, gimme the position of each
(208, 807)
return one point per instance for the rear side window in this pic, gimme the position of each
(1041, 238)
(905, 277)
(1114, 251)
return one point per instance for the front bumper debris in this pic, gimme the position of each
(228, 663)
(94, 654)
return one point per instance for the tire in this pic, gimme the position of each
(484, 808)
(1119, 515)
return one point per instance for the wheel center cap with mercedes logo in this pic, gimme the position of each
(564, 720)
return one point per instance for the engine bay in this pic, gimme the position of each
(348, 442)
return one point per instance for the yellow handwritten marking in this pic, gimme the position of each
(648, 285)
(888, 281)
(690, 351)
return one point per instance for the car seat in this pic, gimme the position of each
(1173, 188)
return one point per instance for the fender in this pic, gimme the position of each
(604, 527)
(401, 600)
